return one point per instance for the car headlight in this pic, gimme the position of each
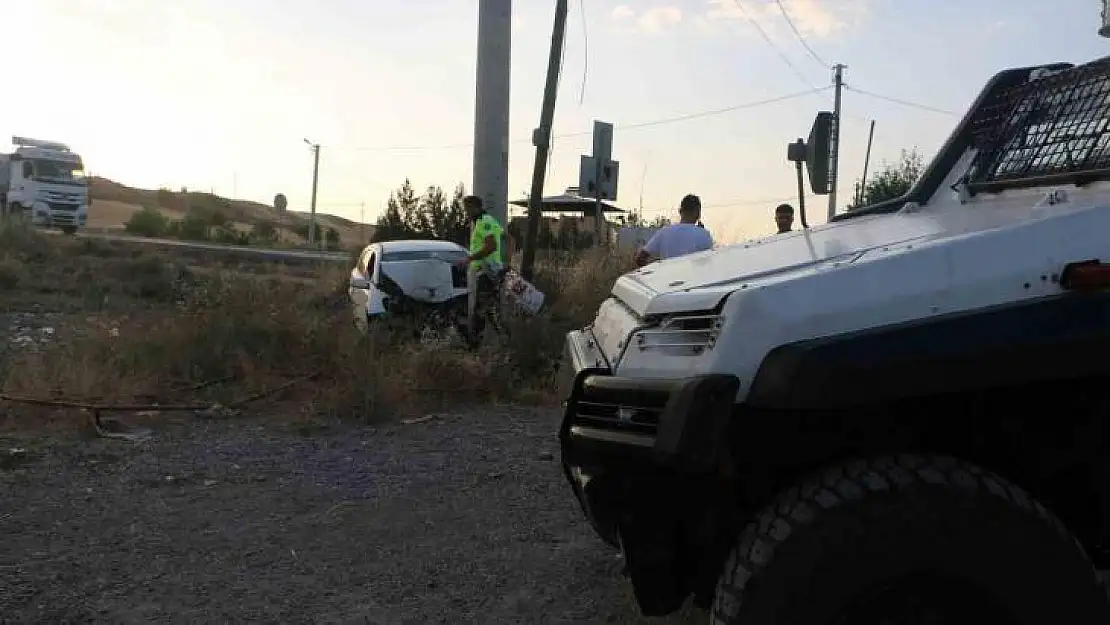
(680, 335)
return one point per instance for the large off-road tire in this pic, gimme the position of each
(908, 540)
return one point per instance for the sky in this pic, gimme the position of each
(219, 95)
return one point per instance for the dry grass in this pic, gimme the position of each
(146, 325)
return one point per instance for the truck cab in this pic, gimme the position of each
(45, 182)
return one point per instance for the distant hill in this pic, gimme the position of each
(113, 204)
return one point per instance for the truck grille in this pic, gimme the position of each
(61, 206)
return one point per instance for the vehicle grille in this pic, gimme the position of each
(639, 416)
(61, 206)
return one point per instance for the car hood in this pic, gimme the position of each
(701, 280)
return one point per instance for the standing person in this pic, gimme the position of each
(685, 237)
(784, 218)
(485, 265)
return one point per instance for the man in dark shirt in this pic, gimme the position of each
(784, 218)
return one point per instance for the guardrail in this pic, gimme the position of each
(218, 247)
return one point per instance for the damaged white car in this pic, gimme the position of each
(413, 279)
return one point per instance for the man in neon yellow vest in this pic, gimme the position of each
(485, 263)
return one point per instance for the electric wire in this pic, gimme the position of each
(798, 35)
(916, 105)
(770, 42)
(585, 53)
(645, 124)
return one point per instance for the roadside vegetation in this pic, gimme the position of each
(136, 325)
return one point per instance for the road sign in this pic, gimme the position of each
(603, 141)
(592, 179)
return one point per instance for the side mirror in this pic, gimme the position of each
(817, 153)
(360, 283)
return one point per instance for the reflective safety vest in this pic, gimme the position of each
(483, 227)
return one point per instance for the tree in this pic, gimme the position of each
(433, 213)
(457, 219)
(428, 216)
(891, 181)
(408, 204)
(391, 225)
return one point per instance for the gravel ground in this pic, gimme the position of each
(460, 519)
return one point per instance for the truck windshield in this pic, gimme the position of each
(63, 172)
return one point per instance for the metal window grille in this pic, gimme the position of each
(1054, 129)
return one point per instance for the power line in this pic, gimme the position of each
(646, 124)
(916, 105)
(720, 111)
(770, 42)
(585, 53)
(798, 34)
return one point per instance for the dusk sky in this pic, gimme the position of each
(218, 94)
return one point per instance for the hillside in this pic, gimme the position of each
(114, 203)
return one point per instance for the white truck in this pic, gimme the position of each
(45, 182)
(901, 416)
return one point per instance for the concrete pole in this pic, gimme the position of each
(491, 107)
(315, 180)
(834, 148)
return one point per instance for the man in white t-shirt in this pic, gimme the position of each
(685, 237)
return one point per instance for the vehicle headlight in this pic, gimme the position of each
(688, 335)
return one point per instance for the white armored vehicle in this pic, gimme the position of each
(45, 181)
(898, 416)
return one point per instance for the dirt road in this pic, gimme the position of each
(461, 519)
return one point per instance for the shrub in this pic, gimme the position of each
(192, 227)
(147, 222)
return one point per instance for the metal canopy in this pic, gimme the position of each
(569, 202)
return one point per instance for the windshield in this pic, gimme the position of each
(403, 255)
(64, 172)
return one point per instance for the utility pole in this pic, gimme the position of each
(834, 148)
(315, 179)
(866, 161)
(491, 107)
(541, 138)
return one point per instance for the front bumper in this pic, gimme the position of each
(50, 215)
(632, 449)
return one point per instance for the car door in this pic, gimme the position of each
(376, 300)
(359, 289)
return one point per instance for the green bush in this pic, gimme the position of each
(192, 227)
(148, 222)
